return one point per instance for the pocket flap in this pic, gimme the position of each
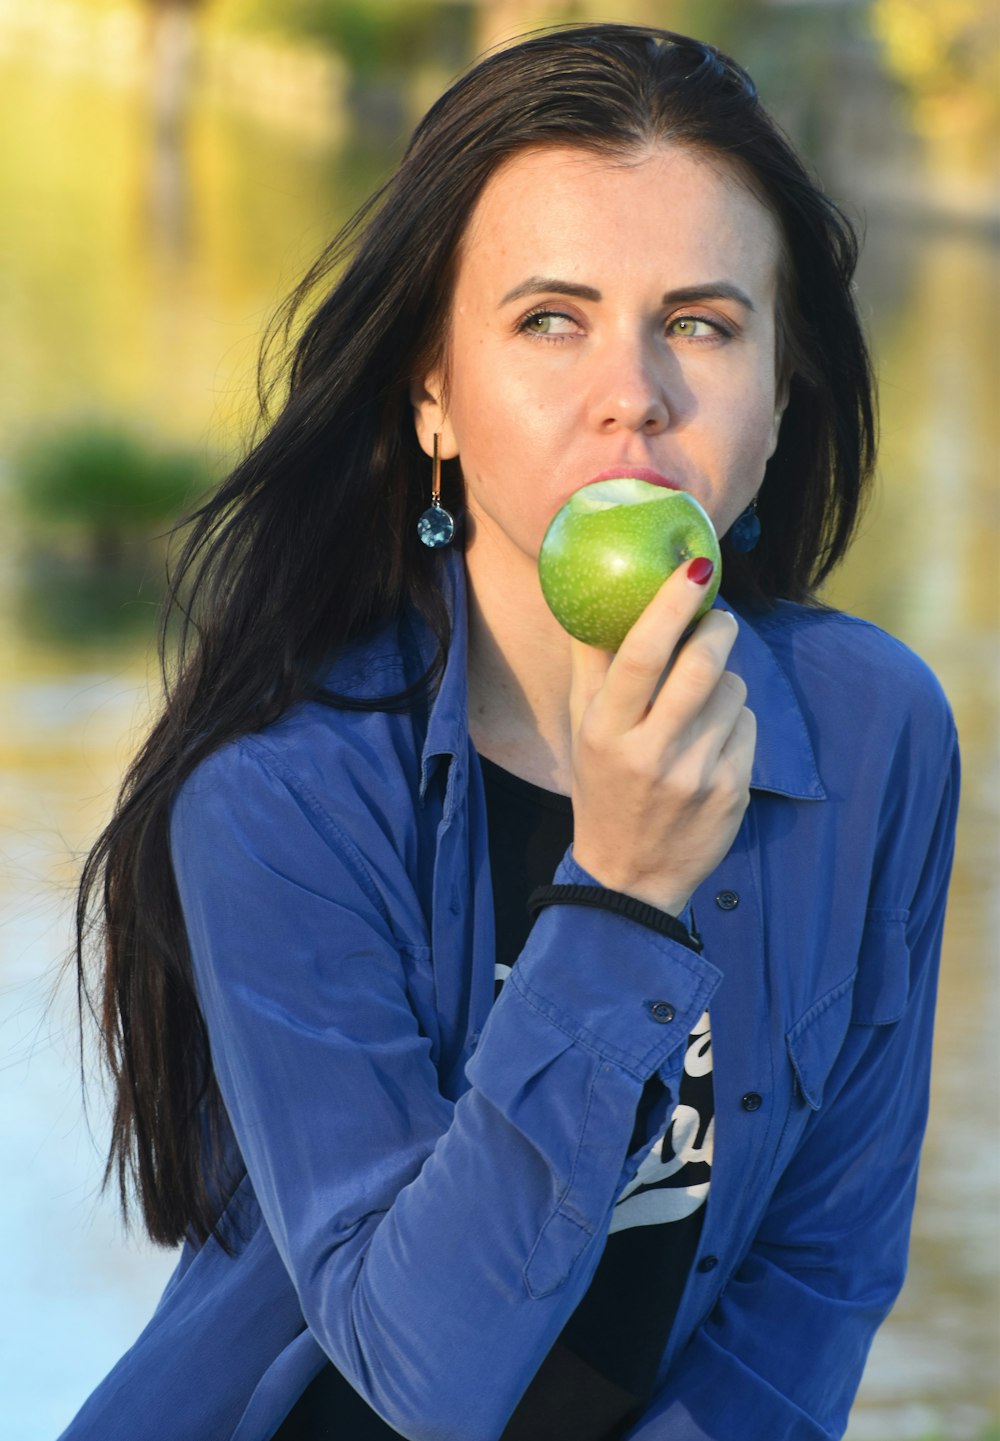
(882, 984)
(815, 1040)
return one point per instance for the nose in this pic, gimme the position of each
(629, 390)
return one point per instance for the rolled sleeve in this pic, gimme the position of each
(434, 1284)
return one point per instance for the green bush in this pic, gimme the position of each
(106, 482)
(74, 604)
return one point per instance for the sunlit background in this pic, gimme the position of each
(167, 171)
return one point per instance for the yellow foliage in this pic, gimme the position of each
(947, 55)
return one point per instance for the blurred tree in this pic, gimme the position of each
(172, 45)
(66, 602)
(105, 484)
(390, 48)
(372, 35)
(947, 55)
(172, 53)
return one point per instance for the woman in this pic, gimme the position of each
(407, 1206)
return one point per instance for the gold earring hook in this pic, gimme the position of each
(436, 527)
(436, 473)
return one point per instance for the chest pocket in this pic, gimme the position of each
(873, 995)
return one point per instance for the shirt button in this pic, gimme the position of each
(708, 1263)
(727, 900)
(751, 1101)
(661, 1011)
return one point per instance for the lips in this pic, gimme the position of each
(636, 472)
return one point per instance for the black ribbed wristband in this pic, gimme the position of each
(623, 905)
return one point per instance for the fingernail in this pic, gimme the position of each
(700, 570)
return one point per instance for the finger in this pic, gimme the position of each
(640, 673)
(697, 670)
(710, 729)
(693, 749)
(589, 670)
(738, 751)
(702, 654)
(742, 739)
(646, 651)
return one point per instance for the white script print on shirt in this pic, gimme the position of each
(638, 1204)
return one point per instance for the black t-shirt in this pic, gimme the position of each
(598, 1377)
(612, 1344)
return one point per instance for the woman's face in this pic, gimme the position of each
(608, 314)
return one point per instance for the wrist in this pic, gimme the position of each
(671, 902)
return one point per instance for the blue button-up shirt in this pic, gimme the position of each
(431, 1176)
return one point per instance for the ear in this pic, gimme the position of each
(780, 405)
(429, 417)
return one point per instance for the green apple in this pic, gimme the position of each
(609, 549)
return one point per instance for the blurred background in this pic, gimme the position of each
(167, 171)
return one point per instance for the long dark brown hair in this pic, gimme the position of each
(312, 539)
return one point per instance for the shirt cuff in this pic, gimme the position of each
(570, 872)
(624, 905)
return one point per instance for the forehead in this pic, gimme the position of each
(564, 210)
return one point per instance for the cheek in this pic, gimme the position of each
(756, 425)
(500, 412)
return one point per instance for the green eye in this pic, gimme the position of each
(547, 322)
(691, 327)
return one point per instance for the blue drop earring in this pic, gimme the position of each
(436, 526)
(745, 530)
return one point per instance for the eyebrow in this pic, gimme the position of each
(685, 295)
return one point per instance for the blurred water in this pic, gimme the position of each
(109, 300)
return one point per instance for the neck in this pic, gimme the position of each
(519, 670)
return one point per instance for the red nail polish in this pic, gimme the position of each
(700, 570)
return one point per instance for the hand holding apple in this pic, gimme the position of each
(662, 741)
(609, 549)
(662, 748)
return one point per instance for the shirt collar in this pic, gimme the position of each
(784, 761)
